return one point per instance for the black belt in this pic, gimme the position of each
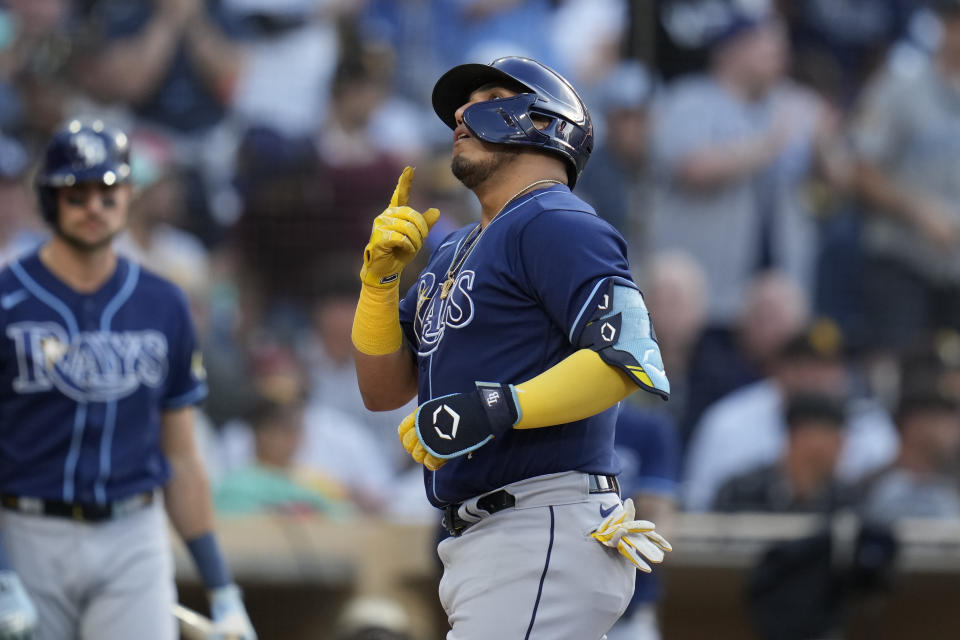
(82, 512)
(503, 499)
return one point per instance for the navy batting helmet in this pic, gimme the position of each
(542, 92)
(81, 153)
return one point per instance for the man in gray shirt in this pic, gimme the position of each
(731, 150)
(907, 140)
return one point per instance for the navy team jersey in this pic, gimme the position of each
(518, 306)
(84, 379)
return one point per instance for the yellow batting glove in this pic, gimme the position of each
(397, 236)
(411, 442)
(632, 538)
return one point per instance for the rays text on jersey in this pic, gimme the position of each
(95, 366)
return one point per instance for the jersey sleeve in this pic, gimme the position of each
(186, 378)
(566, 258)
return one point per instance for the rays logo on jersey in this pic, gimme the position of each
(435, 314)
(96, 366)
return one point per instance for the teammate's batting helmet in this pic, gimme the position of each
(81, 153)
(542, 92)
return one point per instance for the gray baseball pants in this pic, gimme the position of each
(531, 572)
(96, 581)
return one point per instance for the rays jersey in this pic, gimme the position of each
(84, 379)
(516, 308)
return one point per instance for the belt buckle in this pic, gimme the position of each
(604, 484)
(32, 506)
(450, 518)
(128, 505)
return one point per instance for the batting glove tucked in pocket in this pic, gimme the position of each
(632, 538)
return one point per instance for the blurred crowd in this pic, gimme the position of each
(787, 175)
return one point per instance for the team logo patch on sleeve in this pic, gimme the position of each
(197, 370)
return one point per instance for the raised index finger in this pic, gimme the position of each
(402, 192)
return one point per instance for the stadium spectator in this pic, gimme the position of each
(731, 150)
(922, 481)
(36, 44)
(288, 64)
(616, 182)
(170, 60)
(482, 30)
(683, 31)
(154, 236)
(273, 482)
(726, 359)
(332, 376)
(746, 428)
(906, 141)
(325, 443)
(804, 478)
(602, 32)
(674, 288)
(284, 229)
(839, 43)
(21, 229)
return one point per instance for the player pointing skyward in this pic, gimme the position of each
(99, 373)
(519, 338)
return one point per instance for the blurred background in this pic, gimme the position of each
(787, 175)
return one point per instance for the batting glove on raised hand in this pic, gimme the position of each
(18, 616)
(632, 538)
(229, 616)
(456, 424)
(398, 233)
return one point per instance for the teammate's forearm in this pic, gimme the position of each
(190, 510)
(187, 497)
(580, 386)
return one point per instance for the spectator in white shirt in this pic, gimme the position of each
(746, 429)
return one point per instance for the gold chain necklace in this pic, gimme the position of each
(470, 243)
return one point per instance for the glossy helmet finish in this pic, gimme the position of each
(542, 92)
(81, 153)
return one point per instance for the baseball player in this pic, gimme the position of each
(519, 337)
(99, 372)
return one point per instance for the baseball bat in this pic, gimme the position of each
(193, 626)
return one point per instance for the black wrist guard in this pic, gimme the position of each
(455, 424)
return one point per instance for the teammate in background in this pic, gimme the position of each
(519, 337)
(99, 373)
